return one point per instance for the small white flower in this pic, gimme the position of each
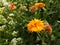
(9, 18)
(14, 33)
(3, 8)
(58, 21)
(6, 40)
(2, 27)
(13, 41)
(11, 14)
(15, 2)
(23, 8)
(19, 39)
(11, 22)
(5, 3)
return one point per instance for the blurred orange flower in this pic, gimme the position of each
(35, 25)
(40, 5)
(48, 28)
(33, 8)
(12, 6)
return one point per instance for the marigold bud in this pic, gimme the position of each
(33, 8)
(40, 5)
(48, 28)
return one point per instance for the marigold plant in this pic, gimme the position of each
(27, 22)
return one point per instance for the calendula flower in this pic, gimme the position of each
(12, 6)
(33, 8)
(41, 5)
(35, 25)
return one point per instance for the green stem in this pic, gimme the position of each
(39, 36)
(43, 43)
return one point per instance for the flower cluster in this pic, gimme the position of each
(32, 8)
(37, 26)
(36, 6)
(34, 25)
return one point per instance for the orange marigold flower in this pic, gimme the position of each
(40, 5)
(12, 6)
(35, 25)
